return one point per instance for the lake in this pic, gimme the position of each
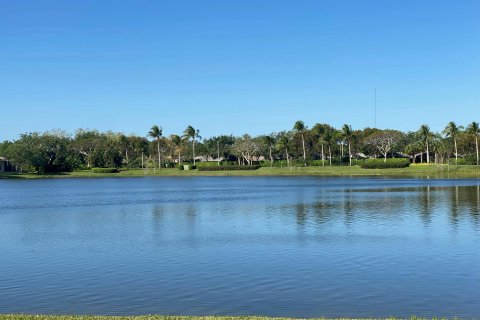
(277, 246)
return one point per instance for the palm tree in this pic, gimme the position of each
(192, 134)
(329, 139)
(474, 129)
(177, 142)
(299, 127)
(270, 142)
(318, 132)
(284, 143)
(347, 133)
(452, 130)
(425, 135)
(156, 133)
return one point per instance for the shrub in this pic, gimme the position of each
(180, 167)
(104, 170)
(207, 164)
(381, 164)
(227, 168)
(468, 160)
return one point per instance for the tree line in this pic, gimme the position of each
(321, 145)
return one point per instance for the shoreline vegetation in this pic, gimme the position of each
(159, 317)
(414, 170)
(290, 151)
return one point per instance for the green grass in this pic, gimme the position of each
(436, 171)
(156, 317)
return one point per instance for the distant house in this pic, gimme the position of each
(5, 165)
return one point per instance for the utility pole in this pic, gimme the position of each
(375, 108)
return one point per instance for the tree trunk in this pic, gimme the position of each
(193, 151)
(271, 158)
(218, 154)
(456, 151)
(304, 153)
(349, 154)
(385, 157)
(428, 153)
(288, 160)
(179, 158)
(476, 145)
(159, 156)
(323, 157)
(330, 155)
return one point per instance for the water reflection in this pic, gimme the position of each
(301, 247)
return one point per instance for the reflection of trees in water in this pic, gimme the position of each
(465, 201)
(301, 209)
(348, 205)
(392, 204)
(424, 203)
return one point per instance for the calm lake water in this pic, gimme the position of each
(279, 246)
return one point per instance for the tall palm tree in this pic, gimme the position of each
(177, 142)
(318, 132)
(156, 133)
(452, 130)
(270, 142)
(284, 143)
(425, 135)
(347, 133)
(329, 139)
(192, 134)
(474, 129)
(299, 127)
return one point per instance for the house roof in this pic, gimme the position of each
(3, 159)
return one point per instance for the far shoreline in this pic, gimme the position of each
(413, 171)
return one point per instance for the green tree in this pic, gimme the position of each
(474, 129)
(452, 130)
(283, 142)
(426, 135)
(300, 128)
(193, 135)
(177, 142)
(156, 134)
(269, 141)
(347, 134)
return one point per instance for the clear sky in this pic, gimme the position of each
(236, 66)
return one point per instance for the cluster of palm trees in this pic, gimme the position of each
(324, 138)
(190, 134)
(453, 131)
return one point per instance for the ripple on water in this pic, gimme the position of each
(282, 246)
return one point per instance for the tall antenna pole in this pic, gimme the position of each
(375, 107)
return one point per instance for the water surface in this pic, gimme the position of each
(278, 246)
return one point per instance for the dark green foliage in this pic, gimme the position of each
(207, 164)
(468, 160)
(382, 164)
(227, 168)
(104, 170)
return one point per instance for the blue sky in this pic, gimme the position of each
(230, 67)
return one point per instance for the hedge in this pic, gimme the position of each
(381, 164)
(225, 168)
(104, 170)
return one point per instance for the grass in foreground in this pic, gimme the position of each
(434, 171)
(157, 317)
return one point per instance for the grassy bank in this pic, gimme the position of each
(156, 317)
(443, 171)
